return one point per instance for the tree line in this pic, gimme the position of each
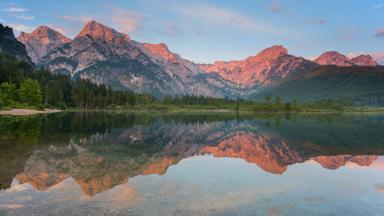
(24, 86)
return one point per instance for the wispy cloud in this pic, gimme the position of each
(212, 14)
(24, 17)
(16, 10)
(380, 33)
(125, 20)
(276, 8)
(20, 27)
(314, 21)
(122, 20)
(67, 18)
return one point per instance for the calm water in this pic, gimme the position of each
(191, 164)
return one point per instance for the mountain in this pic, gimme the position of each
(358, 84)
(41, 41)
(364, 60)
(338, 59)
(105, 56)
(11, 46)
(269, 65)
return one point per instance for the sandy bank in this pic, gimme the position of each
(21, 112)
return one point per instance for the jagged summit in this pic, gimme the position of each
(43, 34)
(98, 31)
(41, 41)
(338, 59)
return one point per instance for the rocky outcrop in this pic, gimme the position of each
(9, 44)
(257, 149)
(41, 41)
(271, 64)
(334, 162)
(338, 59)
(334, 58)
(364, 60)
(99, 32)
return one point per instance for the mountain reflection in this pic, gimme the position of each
(102, 150)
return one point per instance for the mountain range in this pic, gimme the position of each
(106, 56)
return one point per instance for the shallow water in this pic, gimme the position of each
(103, 163)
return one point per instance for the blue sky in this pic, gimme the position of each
(205, 31)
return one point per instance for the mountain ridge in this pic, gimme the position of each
(105, 56)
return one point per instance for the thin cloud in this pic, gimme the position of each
(212, 14)
(126, 21)
(67, 18)
(122, 20)
(380, 33)
(16, 10)
(24, 17)
(20, 27)
(316, 21)
(276, 8)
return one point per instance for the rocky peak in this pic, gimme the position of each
(334, 58)
(101, 32)
(364, 60)
(41, 41)
(44, 33)
(273, 63)
(271, 53)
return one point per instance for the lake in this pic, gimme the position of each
(120, 163)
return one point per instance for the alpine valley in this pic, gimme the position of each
(105, 56)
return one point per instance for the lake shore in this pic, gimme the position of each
(24, 112)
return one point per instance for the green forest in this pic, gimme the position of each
(24, 86)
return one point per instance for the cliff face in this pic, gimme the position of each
(10, 45)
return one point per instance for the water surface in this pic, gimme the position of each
(104, 163)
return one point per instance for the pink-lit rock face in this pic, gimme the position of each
(338, 59)
(334, 162)
(160, 51)
(98, 31)
(41, 41)
(364, 60)
(334, 58)
(256, 149)
(273, 63)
